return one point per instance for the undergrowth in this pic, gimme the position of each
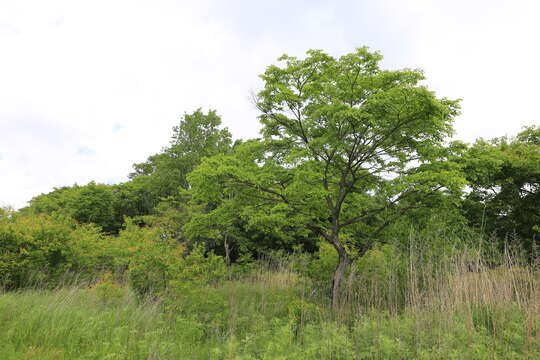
(277, 313)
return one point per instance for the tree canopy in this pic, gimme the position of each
(197, 136)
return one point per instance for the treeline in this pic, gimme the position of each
(350, 155)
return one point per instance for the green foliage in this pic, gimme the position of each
(89, 204)
(376, 264)
(198, 268)
(159, 265)
(228, 213)
(153, 263)
(134, 198)
(120, 250)
(94, 204)
(55, 201)
(88, 247)
(322, 267)
(197, 136)
(505, 186)
(41, 249)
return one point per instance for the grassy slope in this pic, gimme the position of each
(270, 317)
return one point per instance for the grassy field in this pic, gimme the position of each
(276, 314)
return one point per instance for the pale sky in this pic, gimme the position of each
(87, 88)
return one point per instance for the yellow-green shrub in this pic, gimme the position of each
(153, 263)
(40, 249)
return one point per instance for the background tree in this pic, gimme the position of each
(57, 200)
(94, 203)
(91, 203)
(197, 136)
(505, 185)
(164, 176)
(347, 149)
(135, 198)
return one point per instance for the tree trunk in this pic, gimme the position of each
(227, 251)
(338, 273)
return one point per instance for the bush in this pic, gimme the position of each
(198, 269)
(323, 265)
(41, 249)
(153, 263)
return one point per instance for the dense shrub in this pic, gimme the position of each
(322, 265)
(41, 249)
(159, 263)
(152, 267)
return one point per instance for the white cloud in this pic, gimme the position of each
(484, 52)
(88, 88)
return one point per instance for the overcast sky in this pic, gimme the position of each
(87, 88)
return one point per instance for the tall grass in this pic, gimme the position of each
(413, 304)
